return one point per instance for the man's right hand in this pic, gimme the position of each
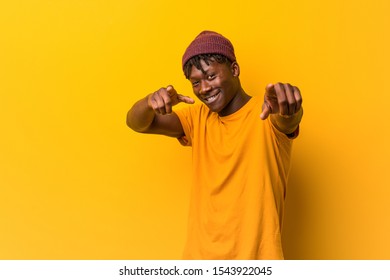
(164, 99)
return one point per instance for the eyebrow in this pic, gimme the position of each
(204, 72)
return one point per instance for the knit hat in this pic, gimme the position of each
(209, 42)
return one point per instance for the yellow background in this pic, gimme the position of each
(76, 183)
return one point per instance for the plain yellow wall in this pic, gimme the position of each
(76, 183)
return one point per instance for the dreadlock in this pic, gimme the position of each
(207, 58)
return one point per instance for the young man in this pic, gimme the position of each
(241, 152)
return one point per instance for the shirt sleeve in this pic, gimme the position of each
(186, 117)
(281, 137)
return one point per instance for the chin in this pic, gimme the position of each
(214, 109)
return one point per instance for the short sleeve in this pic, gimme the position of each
(186, 117)
(281, 137)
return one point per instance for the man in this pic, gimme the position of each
(241, 152)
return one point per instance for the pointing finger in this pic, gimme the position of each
(291, 104)
(282, 99)
(185, 99)
(180, 98)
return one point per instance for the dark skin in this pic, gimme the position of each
(218, 86)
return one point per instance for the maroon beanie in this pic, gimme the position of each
(209, 42)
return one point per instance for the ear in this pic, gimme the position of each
(235, 68)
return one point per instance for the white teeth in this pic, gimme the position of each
(211, 98)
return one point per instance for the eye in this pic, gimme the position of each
(196, 83)
(210, 77)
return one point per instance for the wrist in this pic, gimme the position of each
(287, 123)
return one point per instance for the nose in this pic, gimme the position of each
(204, 87)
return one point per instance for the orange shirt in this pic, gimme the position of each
(240, 169)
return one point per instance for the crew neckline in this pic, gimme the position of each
(239, 111)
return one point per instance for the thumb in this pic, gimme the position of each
(266, 111)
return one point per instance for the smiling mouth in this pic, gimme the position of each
(211, 98)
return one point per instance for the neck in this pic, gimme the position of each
(237, 102)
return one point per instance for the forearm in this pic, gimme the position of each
(140, 116)
(287, 124)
